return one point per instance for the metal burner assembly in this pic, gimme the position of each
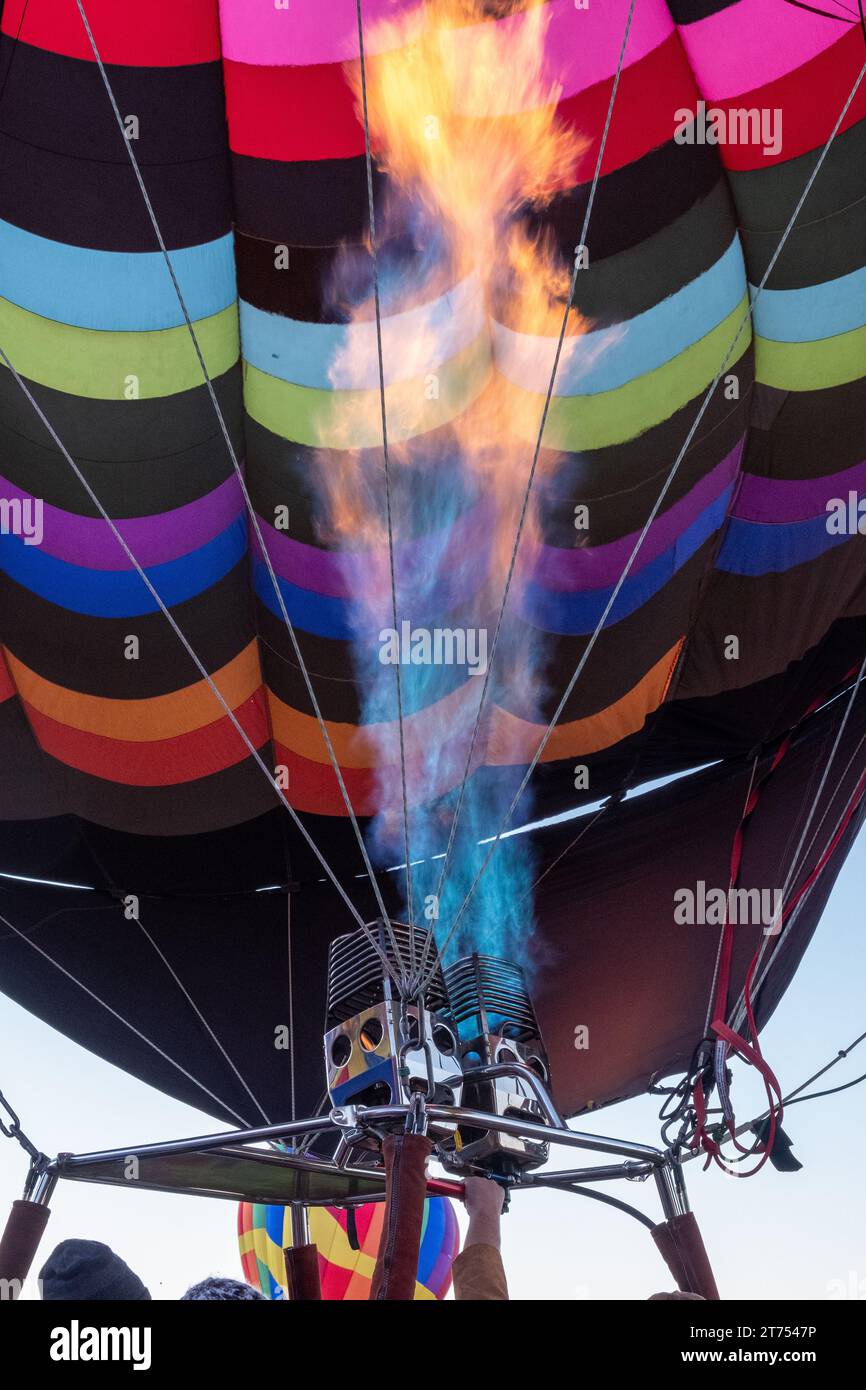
(503, 1060)
(474, 1040)
(379, 1049)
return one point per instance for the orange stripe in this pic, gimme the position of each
(313, 785)
(514, 741)
(142, 721)
(371, 745)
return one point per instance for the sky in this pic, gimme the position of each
(774, 1236)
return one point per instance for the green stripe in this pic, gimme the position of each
(811, 366)
(353, 419)
(99, 365)
(576, 423)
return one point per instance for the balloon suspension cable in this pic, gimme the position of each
(118, 897)
(204, 1023)
(796, 1098)
(578, 671)
(196, 659)
(733, 1037)
(371, 212)
(800, 855)
(254, 520)
(524, 508)
(120, 1018)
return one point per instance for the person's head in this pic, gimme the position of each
(676, 1297)
(217, 1288)
(89, 1271)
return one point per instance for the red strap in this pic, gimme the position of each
(751, 1053)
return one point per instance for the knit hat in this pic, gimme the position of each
(89, 1271)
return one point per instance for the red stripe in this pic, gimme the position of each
(161, 763)
(291, 113)
(7, 685)
(650, 93)
(300, 113)
(313, 786)
(138, 33)
(810, 99)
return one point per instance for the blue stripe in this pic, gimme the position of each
(579, 613)
(119, 291)
(122, 593)
(310, 612)
(309, 354)
(818, 311)
(326, 616)
(607, 358)
(274, 1224)
(332, 617)
(754, 547)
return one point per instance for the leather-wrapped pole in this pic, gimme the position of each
(681, 1245)
(302, 1274)
(406, 1187)
(18, 1245)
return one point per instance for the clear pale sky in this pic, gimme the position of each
(788, 1236)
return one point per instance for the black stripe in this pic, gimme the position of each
(693, 11)
(140, 457)
(634, 202)
(812, 433)
(84, 653)
(100, 205)
(53, 102)
(304, 203)
(64, 167)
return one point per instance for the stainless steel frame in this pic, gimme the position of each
(638, 1161)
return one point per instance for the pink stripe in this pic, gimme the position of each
(581, 47)
(753, 42)
(307, 32)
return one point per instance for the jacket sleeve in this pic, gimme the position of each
(479, 1275)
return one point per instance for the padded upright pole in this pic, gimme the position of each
(406, 1187)
(681, 1245)
(18, 1245)
(303, 1282)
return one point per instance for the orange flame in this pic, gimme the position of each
(463, 121)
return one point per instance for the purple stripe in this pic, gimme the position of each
(86, 541)
(595, 567)
(795, 499)
(347, 573)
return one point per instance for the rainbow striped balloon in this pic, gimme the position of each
(265, 1231)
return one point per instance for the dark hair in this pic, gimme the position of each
(217, 1287)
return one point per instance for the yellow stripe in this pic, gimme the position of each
(811, 366)
(576, 423)
(353, 419)
(111, 365)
